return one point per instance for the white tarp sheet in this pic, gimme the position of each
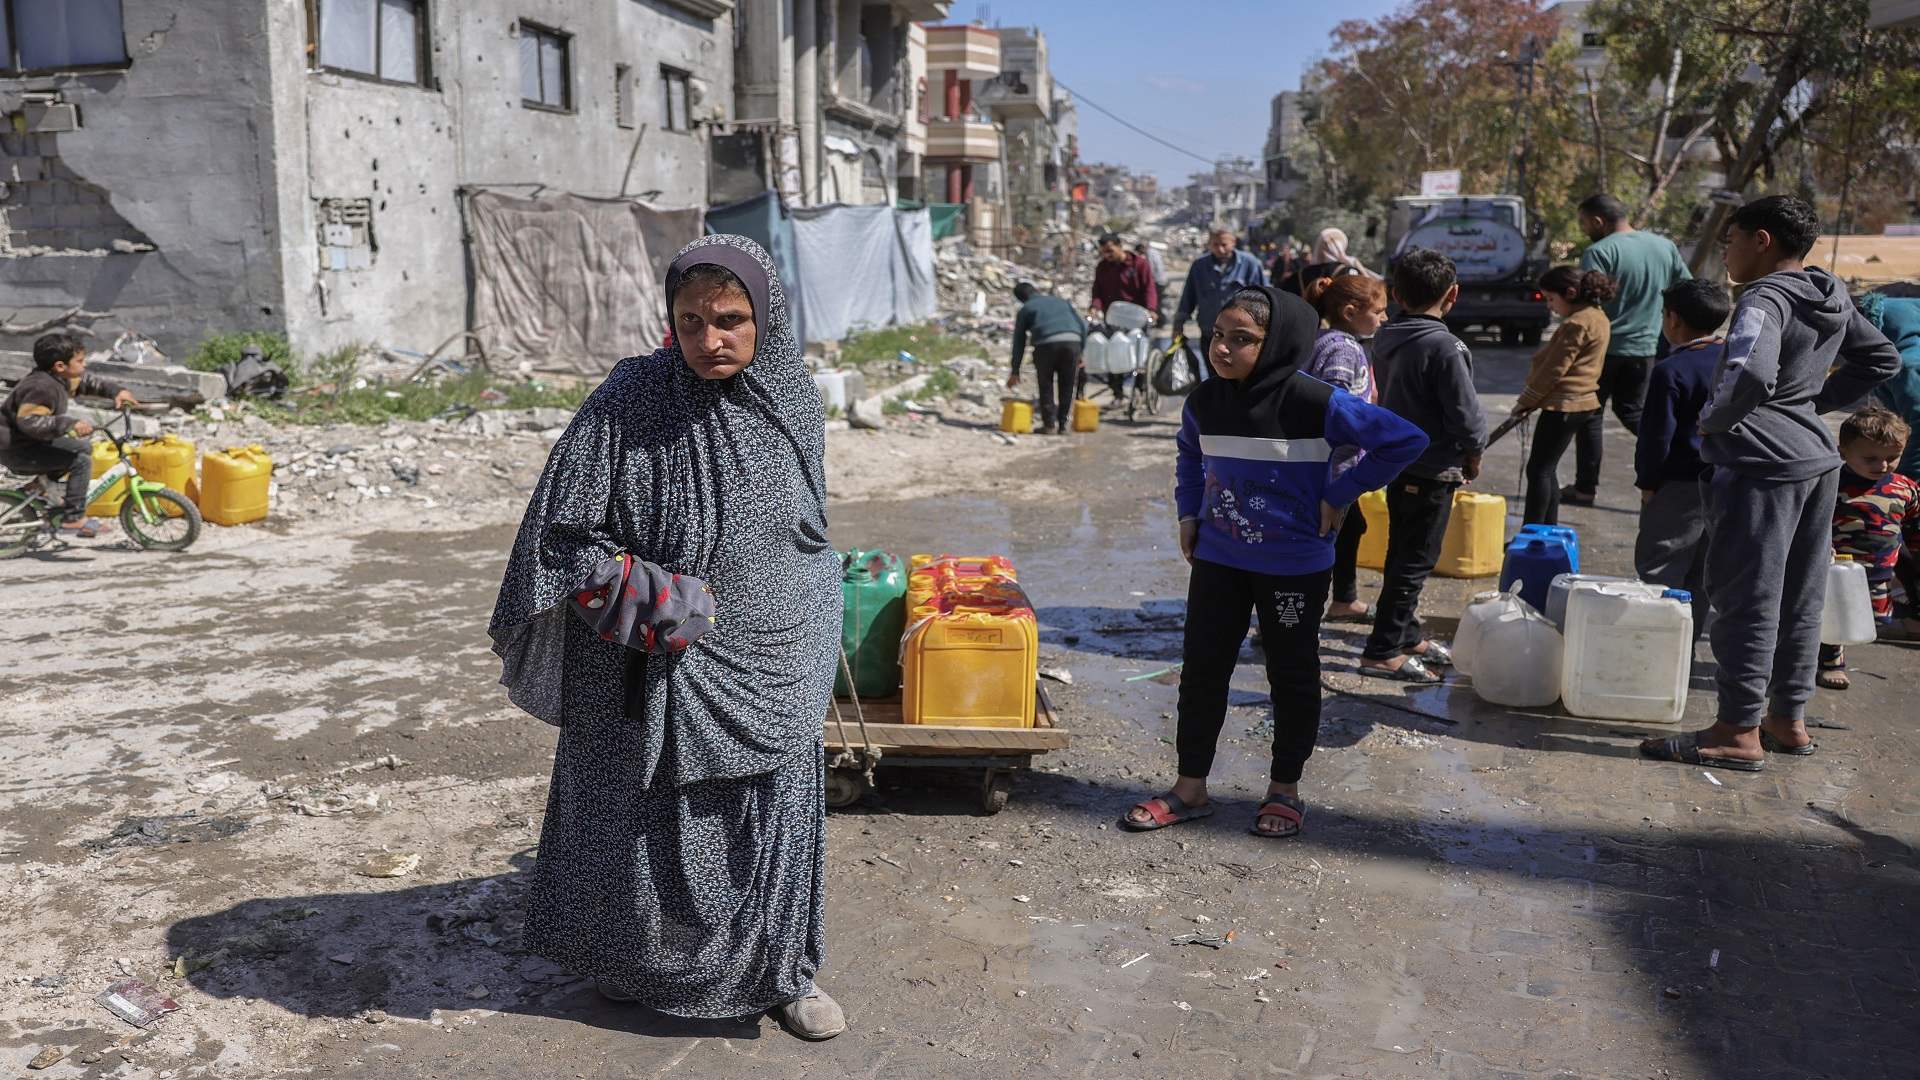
(571, 283)
(864, 267)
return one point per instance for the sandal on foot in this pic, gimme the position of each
(1685, 749)
(1288, 809)
(1365, 616)
(1413, 670)
(1832, 678)
(1173, 810)
(1434, 654)
(1774, 746)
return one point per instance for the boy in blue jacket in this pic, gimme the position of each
(1270, 460)
(1670, 548)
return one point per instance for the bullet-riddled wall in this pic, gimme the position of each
(140, 180)
(239, 171)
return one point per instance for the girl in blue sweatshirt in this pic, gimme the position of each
(1270, 461)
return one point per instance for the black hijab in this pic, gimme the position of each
(1275, 401)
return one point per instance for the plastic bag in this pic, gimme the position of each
(1174, 375)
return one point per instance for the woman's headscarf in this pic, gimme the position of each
(720, 479)
(1270, 402)
(1331, 247)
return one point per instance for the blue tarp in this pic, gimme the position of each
(765, 220)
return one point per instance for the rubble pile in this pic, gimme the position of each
(320, 470)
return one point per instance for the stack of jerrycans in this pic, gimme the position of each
(971, 650)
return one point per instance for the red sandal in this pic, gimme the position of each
(1173, 810)
(1286, 808)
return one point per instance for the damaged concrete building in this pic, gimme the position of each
(302, 166)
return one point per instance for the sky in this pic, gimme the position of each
(1198, 73)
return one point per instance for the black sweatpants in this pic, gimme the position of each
(63, 455)
(1346, 557)
(1417, 512)
(1623, 381)
(1055, 368)
(1551, 434)
(1289, 607)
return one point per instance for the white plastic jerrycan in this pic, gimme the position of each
(1516, 653)
(1848, 617)
(1481, 610)
(1563, 584)
(1629, 654)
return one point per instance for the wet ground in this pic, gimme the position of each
(202, 757)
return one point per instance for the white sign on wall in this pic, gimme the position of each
(1440, 182)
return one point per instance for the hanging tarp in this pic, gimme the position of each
(866, 267)
(764, 220)
(568, 282)
(948, 218)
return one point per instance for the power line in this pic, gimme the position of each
(1130, 126)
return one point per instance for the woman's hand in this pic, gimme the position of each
(1331, 518)
(1189, 532)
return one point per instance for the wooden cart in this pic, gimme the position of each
(856, 745)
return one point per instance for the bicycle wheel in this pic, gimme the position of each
(158, 530)
(1150, 395)
(21, 525)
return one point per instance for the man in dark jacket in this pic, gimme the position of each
(38, 438)
(1058, 333)
(1425, 374)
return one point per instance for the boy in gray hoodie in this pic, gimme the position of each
(1797, 348)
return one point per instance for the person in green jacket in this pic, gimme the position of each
(1642, 266)
(1058, 333)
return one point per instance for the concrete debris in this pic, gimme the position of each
(47, 1057)
(150, 382)
(389, 864)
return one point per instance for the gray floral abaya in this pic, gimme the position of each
(681, 858)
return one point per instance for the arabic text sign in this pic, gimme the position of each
(1481, 249)
(1440, 182)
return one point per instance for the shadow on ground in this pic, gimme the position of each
(1773, 958)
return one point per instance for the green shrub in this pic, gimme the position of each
(222, 349)
(928, 345)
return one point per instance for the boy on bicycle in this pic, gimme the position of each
(38, 438)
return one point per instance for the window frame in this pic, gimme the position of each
(623, 96)
(422, 43)
(668, 74)
(8, 59)
(525, 26)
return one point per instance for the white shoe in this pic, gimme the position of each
(814, 1016)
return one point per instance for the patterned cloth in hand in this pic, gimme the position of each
(643, 607)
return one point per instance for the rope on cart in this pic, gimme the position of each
(869, 753)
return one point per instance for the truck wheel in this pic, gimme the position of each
(1510, 335)
(1530, 336)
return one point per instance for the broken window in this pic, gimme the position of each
(346, 234)
(545, 68)
(623, 95)
(378, 39)
(51, 35)
(673, 99)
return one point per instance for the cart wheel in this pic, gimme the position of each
(844, 787)
(996, 785)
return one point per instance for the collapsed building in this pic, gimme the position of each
(191, 166)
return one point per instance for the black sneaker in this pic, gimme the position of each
(1573, 496)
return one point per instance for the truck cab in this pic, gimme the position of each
(1493, 252)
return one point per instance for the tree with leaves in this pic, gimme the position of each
(1761, 79)
(1450, 84)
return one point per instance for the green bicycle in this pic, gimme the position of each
(155, 517)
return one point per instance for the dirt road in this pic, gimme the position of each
(203, 756)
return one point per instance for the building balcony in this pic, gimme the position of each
(1016, 95)
(973, 52)
(962, 140)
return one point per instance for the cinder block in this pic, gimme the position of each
(74, 215)
(62, 192)
(22, 169)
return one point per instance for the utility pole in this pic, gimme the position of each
(1530, 57)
